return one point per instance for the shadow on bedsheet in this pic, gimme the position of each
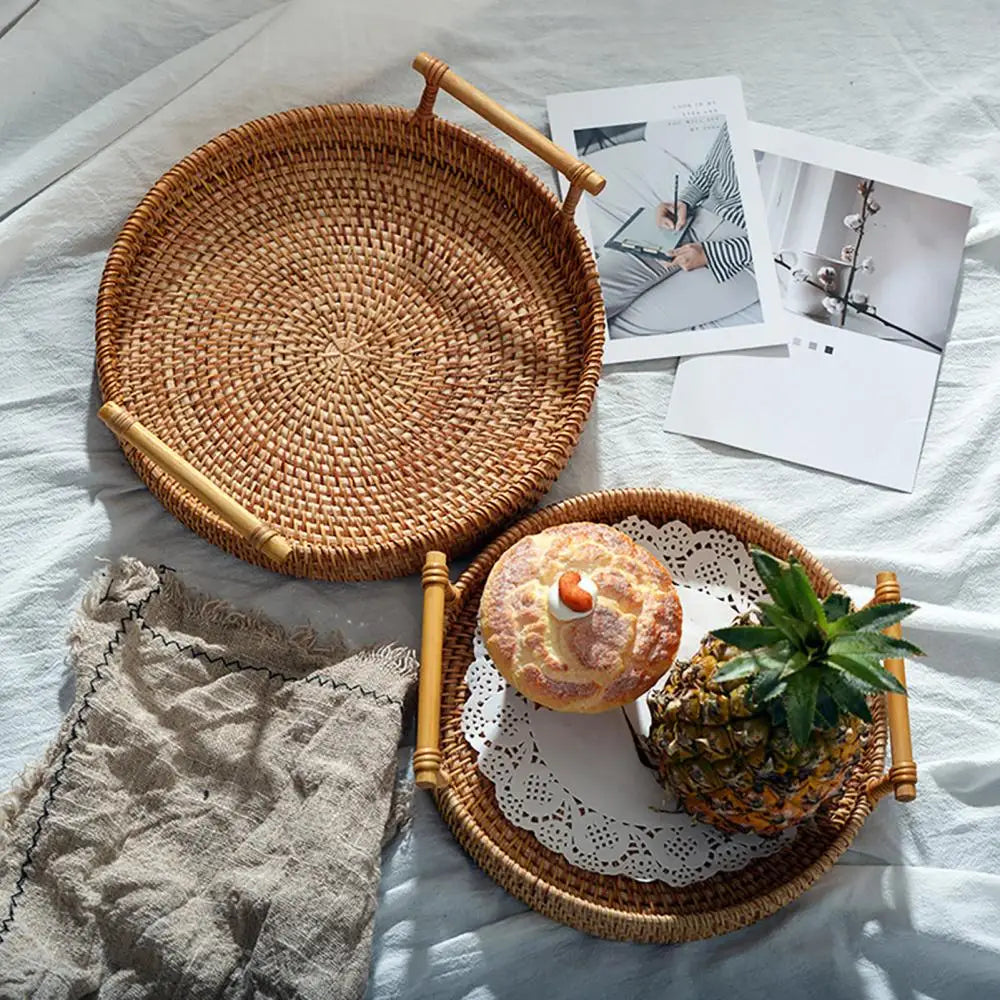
(906, 913)
(136, 524)
(109, 477)
(110, 480)
(444, 929)
(912, 910)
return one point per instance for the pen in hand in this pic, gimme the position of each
(668, 216)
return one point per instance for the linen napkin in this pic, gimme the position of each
(209, 821)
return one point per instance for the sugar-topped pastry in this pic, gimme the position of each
(580, 618)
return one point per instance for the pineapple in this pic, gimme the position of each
(765, 721)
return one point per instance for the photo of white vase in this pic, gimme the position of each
(807, 299)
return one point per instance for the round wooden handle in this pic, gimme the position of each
(262, 536)
(437, 74)
(427, 772)
(903, 773)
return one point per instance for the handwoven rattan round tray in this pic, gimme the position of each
(372, 330)
(619, 907)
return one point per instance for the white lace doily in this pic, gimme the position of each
(576, 781)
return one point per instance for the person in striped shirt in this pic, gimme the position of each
(714, 185)
(715, 179)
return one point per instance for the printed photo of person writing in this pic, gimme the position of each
(710, 270)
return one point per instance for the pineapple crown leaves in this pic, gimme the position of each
(812, 660)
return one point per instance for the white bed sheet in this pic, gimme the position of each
(100, 97)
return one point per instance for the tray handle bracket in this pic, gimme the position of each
(901, 778)
(438, 591)
(438, 76)
(259, 534)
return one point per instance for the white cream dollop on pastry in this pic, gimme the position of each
(560, 610)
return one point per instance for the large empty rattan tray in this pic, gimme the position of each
(335, 337)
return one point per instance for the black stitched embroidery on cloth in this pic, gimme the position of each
(209, 820)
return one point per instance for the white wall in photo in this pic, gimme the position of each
(796, 195)
(916, 241)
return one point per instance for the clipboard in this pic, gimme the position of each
(641, 235)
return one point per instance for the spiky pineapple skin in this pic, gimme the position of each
(728, 764)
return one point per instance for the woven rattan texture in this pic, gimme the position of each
(619, 907)
(379, 335)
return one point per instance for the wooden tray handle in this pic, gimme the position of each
(901, 778)
(581, 177)
(262, 536)
(427, 770)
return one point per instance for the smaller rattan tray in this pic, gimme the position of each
(338, 336)
(618, 907)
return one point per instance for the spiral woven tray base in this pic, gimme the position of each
(618, 907)
(374, 330)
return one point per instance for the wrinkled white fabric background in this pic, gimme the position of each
(98, 98)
